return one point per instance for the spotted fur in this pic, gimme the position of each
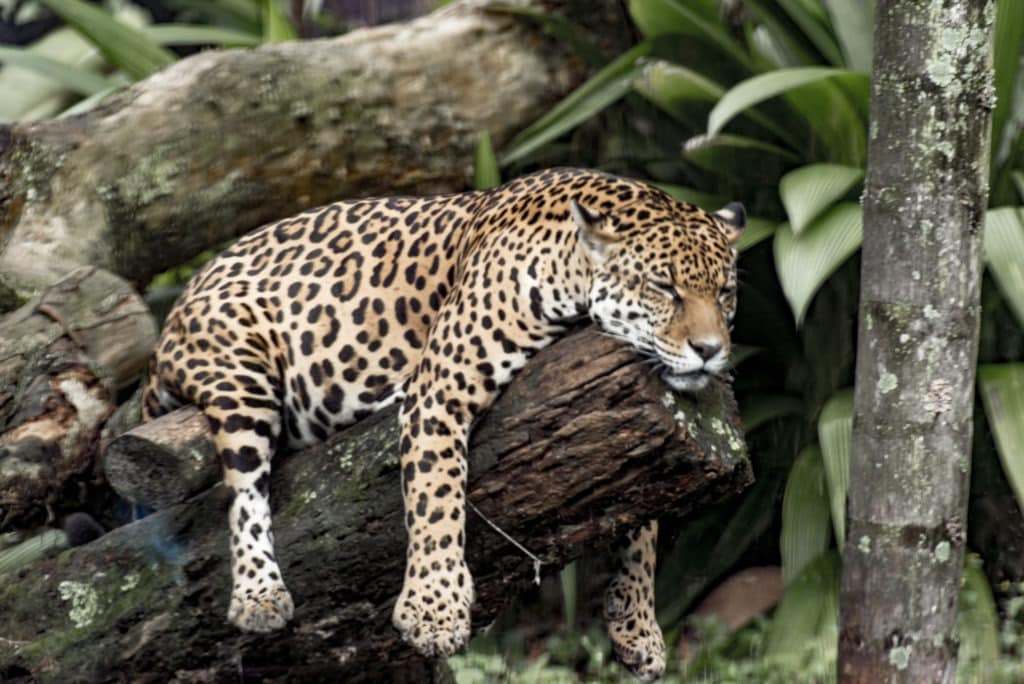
(308, 324)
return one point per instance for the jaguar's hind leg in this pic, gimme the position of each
(629, 606)
(245, 428)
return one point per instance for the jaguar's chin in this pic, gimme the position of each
(686, 382)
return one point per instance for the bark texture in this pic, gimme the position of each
(585, 444)
(225, 141)
(924, 205)
(63, 356)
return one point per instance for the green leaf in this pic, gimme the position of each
(825, 96)
(1018, 180)
(1002, 393)
(809, 190)
(123, 46)
(757, 231)
(1004, 252)
(853, 21)
(277, 28)
(195, 34)
(738, 157)
(75, 79)
(835, 431)
(90, 102)
(977, 626)
(803, 263)
(1007, 51)
(763, 408)
(805, 514)
(487, 174)
(603, 88)
(665, 17)
(808, 610)
(813, 25)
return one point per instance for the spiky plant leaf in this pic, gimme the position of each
(277, 28)
(738, 157)
(76, 79)
(757, 231)
(665, 17)
(1004, 252)
(803, 263)
(763, 408)
(808, 191)
(806, 613)
(1002, 393)
(601, 90)
(487, 174)
(196, 34)
(977, 626)
(1008, 49)
(805, 514)
(124, 46)
(835, 431)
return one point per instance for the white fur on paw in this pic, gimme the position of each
(433, 613)
(264, 612)
(639, 646)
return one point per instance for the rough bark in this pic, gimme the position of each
(63, 356)
(225, 141)
(924, 204)
(585, 444)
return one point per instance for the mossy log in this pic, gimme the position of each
(63, 356)
(227, 140)
(584, 445)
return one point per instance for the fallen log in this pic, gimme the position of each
(227, 140)
(584, 445)
(63, 356)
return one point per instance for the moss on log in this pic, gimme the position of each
(584, 445)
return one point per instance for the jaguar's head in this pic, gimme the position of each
(664, 279)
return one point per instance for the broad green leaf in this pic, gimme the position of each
(1018, 180)
(735, 156)
(75, 79)
(27, 96)
(805, 514)
(664, 17)
(277, 28)
(124, 46)
(675, 89)
(853, 21)
(1002, 393)
(977, 626)
(757, 231)
(811, 19)
(246, 15)
(762, 408)
(825, 96)
(487, 174)
(807, 611)
(704, 200)
(1004, 252)
(195, 34)
(90, 102)
(835, 431)
(803, 263)
(1007, 51)
(809, 190)
(785, 41)
(603, 88)
(561, 28)
(570, 592)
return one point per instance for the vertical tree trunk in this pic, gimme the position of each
(924, 205)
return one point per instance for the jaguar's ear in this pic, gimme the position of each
(733, 218)
(592, 229)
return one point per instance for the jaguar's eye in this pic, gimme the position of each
(665, 289)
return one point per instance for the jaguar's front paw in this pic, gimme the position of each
(262, 610)
(639, 646)
(432, 612)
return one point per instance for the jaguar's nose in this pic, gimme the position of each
(706, 349)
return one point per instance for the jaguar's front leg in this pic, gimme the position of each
(629, 605)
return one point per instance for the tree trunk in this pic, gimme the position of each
(924, 205)
(224, 141)
(584, 445)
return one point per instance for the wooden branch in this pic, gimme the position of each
(63, 355)
(585, 444)
(227, 140)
